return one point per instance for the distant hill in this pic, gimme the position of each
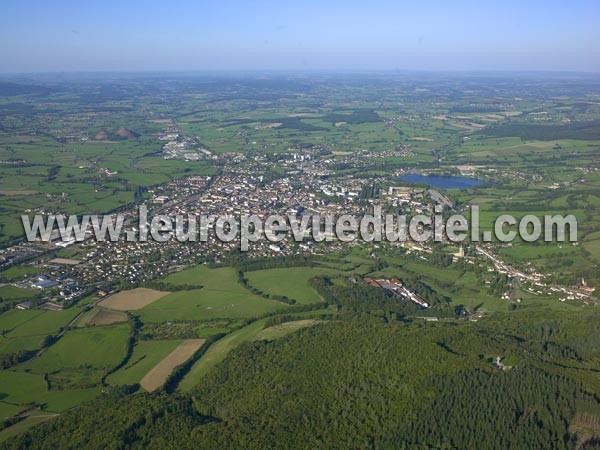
(13, 89)
(119, 135)
(101, 136)
(124, 133)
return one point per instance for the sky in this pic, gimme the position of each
(132, 35)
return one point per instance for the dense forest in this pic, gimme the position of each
(575, 130)
(359, 297)
(362, 382)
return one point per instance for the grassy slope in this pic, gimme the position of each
(146, 354)
(221, 297)
(89, 351)
(219, 350)
(290, 282)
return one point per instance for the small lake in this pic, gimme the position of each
(443, 182)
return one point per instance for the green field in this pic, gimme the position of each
(81, 356)
(12, 319)
(26, 330)
(277, 331)
(8, 410)
(291, 282)
(21, 389)
(45, 323)
(221, 297)
(31, 420)
(13, 293)
(146, 354)
(16, 273)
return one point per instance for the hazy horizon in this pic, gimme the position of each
(308, 72)
(189, 36)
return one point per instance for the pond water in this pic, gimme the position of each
(450, 182)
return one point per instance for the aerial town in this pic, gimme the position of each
(241, 187)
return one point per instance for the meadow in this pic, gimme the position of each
(290, 282)
(26, 330)
(24, 390)
(221, 296)
(82, 356)
(75, 177)
(146, 355)
(9, 292)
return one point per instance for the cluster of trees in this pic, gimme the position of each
(565, 341)
(369, 191)
(53, 172)
(574, 130)
(432, 296)
(356, 117)
(174, 329)
(12, 359)
(244, 263)
(181, 371)
(359, 297)
(141, 422)
(162, 286)
(440, 258)
(499, 284)
(134, 326)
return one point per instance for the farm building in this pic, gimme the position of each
(45, 284)
(24, 306)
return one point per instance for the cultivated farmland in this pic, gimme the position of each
(159, 374)
(132, 299)
(105, 317)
